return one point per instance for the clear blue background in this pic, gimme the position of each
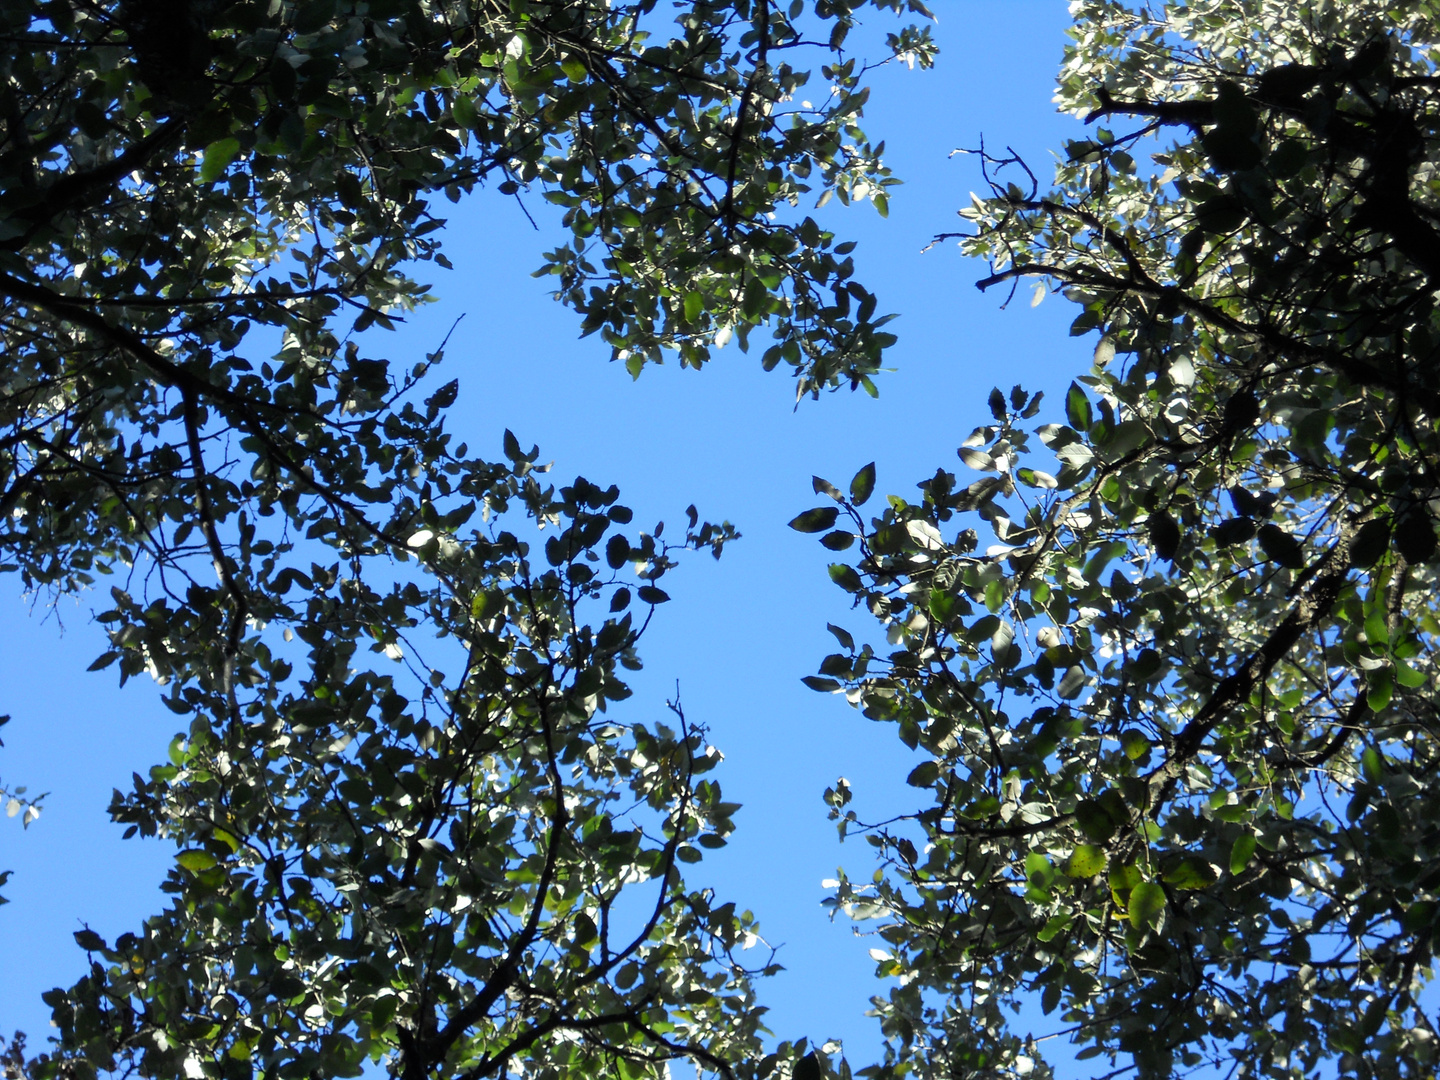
(740, 633)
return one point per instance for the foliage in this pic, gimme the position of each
(409, 827)
(1178, 720)
(405, 828)
(17, 802)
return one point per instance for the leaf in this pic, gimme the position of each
(1192, 872)
(1094, 821)
(1049, 999)
(1409, 677)
(444, 397)
(816, 520)
(1371, 541)
(1072, 683)
(1281, 547)
(924, 774)
(1164, 535)
(862, 486)
(1077, 408)
(1086, 861)
(90, 941)
(997, 405)
(512, 447)
(649, 594)
(1373, 764)
(1415, 538)
(583, 929)
(1054, 926)
(1134, 744)
(617, 552)
(195, 860)
(1146, 664)
(976, 459)
(1236, 530)
(808, 1068)
(819, 684)
(1039, 874)
(218, 156)
(1001, 641)
(1146, 906)
(1242, 851)
(1124, 878)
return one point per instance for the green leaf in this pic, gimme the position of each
(1146, 906)
(1192, 872)
(1409, 677)
(1077, 408)
(1050, 996)
(1086, 861)
(924, 774)
(863, 485)
(1094, 821)
(313, 15)
(1242, 851)
(1380, 689)
(816, 520)
(196, 860)
(1134, 743)
(463, 110)
(1039, 873)
(218, 156)
(1373, 764)
(1054, 926)
(1124, 878)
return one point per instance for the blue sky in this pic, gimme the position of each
(740, 633)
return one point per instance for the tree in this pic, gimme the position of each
(1178, 719)
(408, 826)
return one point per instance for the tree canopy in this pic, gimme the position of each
(405, 814)
(1179, 714)
(1177, 722)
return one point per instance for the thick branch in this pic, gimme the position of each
(72, 188)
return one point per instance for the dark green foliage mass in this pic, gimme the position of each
(1178, 714)
(404, 803)
(1177, 711)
